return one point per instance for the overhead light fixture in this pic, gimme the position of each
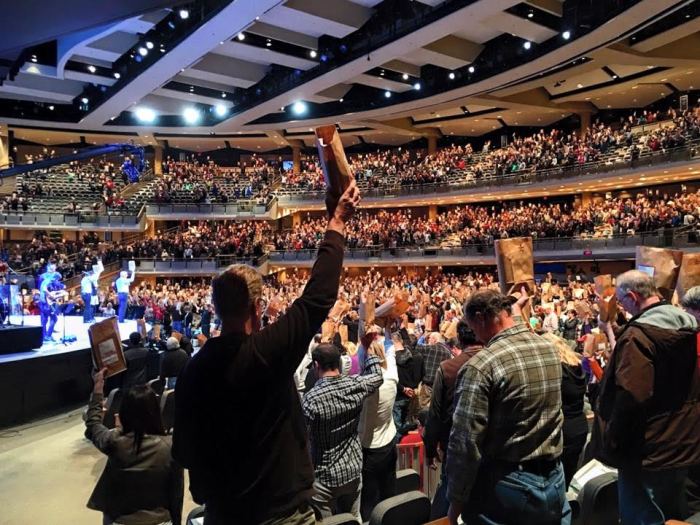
(145, 114)
(51, 108)
(91, 68)
(416, 86)
(220, 110)
(268, 43)
(184, 14)
(451, 75)
(84, 100)
(387, 94)
(143, 51)
(566, 35)
(527, 44)
(191, 115)
(530, 14)
(471, 69)
(313, 53)
(404, 76)
(117, 75)
(34, 59)
(299, 107)
(149, 44)
(241, 37)
(223, 95)
(340, 100)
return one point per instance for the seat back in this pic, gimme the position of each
(341, 519)
(157, 385)
(114, 401)
(412, 508)
(598, 500)
(410, 456)
(167, 409)
(196, 516)
(407, 480)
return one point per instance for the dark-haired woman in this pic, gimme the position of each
(141, 484)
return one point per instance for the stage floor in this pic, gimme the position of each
(74, 326)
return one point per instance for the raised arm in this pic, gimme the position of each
(100, 435)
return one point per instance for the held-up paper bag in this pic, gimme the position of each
(689, 274)
(392, 309)
(515, 263)
(366, 312)
(663, 265)
(336, 170)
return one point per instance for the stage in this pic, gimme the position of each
(51, 378)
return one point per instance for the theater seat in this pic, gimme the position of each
(196, 516)
(340, 519)
(114, 401)
(598, 500)
(167, 409)
(157, 385)
(407, 480)
(412, 508)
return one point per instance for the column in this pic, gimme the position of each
(586, 199)
(150, 230)
(296, 219)
(158, 159)
(585, 118)
(296, 159)
(432, 144)
(432, 212)
(4, 147)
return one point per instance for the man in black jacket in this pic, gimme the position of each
(239, 427)
(411, 370)
(172, 361)
(136, 362)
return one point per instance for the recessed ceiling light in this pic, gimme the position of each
(91, 68)
(313, 53)
(149, 45)
(387, 94)
(241, 36)
(451, 75)
(223, 95)
(84, 100)
(566, 35)
(471, 69)
(527, 44)
(184, 14)
(404, 76)
(117, 75)
(417, 86)
(51, 108)
(143, 51)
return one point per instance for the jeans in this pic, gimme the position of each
(502, 495)
(400, 413)
(177, 326)
(378, 477)
(123, 299)
(87, 309)
(337, 500)
(440, 505)
(651, 497)
(48, 319)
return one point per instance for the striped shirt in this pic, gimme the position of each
(332, 411)
(508, 407)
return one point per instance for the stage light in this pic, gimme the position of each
(220, 110)
(145, 114)
(313, 53)
(404, 76)
(451, 76)
(84, 100)
(143, 51)
(91, 68)
(471, 69)
(527, 44)
(416, 86)
(191, 115)
(241, 37)
(387, 94)
(184, 14)
(149, 45)
(117, 75)
(299, 107)
(566, 35)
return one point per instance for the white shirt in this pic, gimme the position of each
(550, 323)
(377, 427)
(303, 368)
(123, 284)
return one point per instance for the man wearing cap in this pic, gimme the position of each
(503, 461)
(332, 411)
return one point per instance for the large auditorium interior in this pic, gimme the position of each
(384, 262)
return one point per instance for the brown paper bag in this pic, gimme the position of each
(339, 309)
(336, 169)
(393, 308)
(141, 328)
(106, 347)
(177, 335)
(367, 312)
(156, 332)
(515, 262)
(343, 331)
(603, 284)
(607, 307)
(327, 331)
(582, 308)
(689, 274)
(663, 264)
(450, 331)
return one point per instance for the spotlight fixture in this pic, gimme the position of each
(241, 37)
(223, 95)
(313, 53)
(143, 51)
(145, 114)
(340, 100)
(91, 68)
(220, 110)
(471, 69)
(566, 35)
(84, 100)
(184, 14)
(387, 94)
(404, 76)
(191, 115)
(299, 107)
(527, 44)
(149, 44)
(416, 86)
(117, 75)
(451, 75)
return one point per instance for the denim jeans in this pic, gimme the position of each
(400, 414)
(440, 504)
(48, 319)
(338, 500)
(123, 299)
(87, 308)
(505, 496)
(651, 497)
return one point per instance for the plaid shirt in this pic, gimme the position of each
(433, 355)
(508, 407)
(332, 410)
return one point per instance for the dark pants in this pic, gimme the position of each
(650, 497)
(123, 300)
(400, 413)
(573, 446)
(87, 309)
(48, 319)
(503, 494)
(206, 330)
(378, 477)
(440, 505)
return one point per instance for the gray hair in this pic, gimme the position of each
(691, 299)
(638, 282)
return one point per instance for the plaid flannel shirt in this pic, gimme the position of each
(433, 355)
(508, 407)
(332, 411)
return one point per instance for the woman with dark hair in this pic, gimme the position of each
(141, 484)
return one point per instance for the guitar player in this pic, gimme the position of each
(51, 290)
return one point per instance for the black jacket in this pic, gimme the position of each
(239, 428)
(172, 362)
(411, 370)
(136, 366)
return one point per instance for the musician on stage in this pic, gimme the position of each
(122, 286)
(51, 290)
(88, 290)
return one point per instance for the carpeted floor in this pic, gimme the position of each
(47, 472)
